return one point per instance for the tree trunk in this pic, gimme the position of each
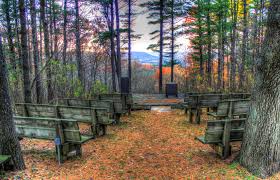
(119, 61)
(78, 43)
(24, 53)
(9, 144)
(12, 56)
(129, 43)
(15, 13)
(244, 46)
(201, 68)
(39, 95)
(209, 46)
(233, 47)
(172, 40)
(47, 49)
(56, 31)
(161, 46)
(113, 55)
(64, 32)
(260, 152)
(220, 57)
(50, 15)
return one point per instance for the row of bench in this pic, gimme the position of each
(59, 121)
(194, 103)
(229, 111)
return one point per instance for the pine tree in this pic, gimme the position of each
(24, 53)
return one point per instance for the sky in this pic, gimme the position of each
(141, 26)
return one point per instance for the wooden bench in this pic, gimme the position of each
(231, 108)
(64, 132)
(109, 105)
(123, 102)
(97, 118)
(194, 103)
(4, 160)
(219, 134)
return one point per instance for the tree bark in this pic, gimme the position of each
(39, 96)
(9, 144)
(24, 53)
(260, 152)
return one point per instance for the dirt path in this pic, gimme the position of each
(147, 145)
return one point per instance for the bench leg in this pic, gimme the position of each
(129, 110)
(222, 150)
(117, 118)
(62, 152)
(78, 149)
(93, 131)
(101, 129)
(197, 117)
(186, 111)
(190, 116)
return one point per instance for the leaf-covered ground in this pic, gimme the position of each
(147, 145)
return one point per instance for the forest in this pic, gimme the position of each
(138, 89)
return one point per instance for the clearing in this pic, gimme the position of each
(146, 145)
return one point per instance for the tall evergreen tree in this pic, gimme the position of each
(46, 48)
(78, 43)
(24, 53)
(39, 95)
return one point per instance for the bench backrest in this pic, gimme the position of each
(216, 129)
(86, 103)
(80, 114)
(212, 100)
(121, 101)
(203, 100)
(230, 108)
(47, 128)
(84, 114)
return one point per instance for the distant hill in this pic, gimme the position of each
(144, 57)
(152, 58)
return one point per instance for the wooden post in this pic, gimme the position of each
(226, 139)
(230, 109)
(198, 110)
(93, 115)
